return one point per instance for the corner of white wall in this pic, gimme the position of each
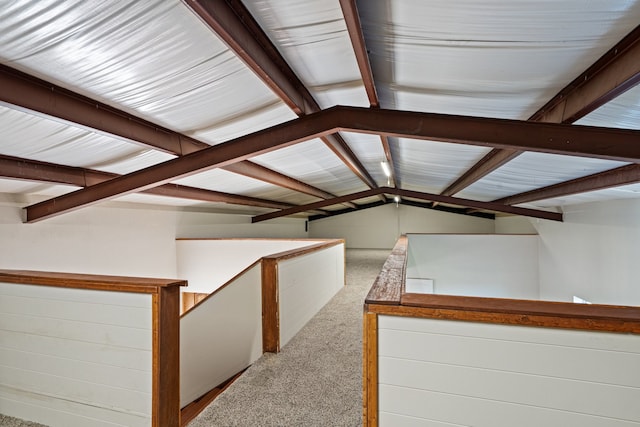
(515, 224)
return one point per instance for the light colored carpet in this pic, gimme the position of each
(6, 421)
(316, 380)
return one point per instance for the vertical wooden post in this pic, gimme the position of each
(370, 369)
(270, 306)
(166, 358)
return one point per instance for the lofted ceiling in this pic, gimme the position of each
(272, 108)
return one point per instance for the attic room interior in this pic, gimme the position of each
(156, 142)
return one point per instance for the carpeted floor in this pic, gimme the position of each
(6, 421)
(316, 380)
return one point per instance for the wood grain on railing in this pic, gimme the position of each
(389, 284)
(548, 314)
(89, 281)
(292, 253)
(270, 306)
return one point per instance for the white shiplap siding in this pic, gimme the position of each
(438, 372)
(75, 357)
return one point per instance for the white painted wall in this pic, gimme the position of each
(593, 254)
(95, 240)
(73, 357)
(439, 372)
(119, 239)
(209, 264)
(221, 336)
(514, 224)
(501, 266)
(305, 284)
(202, 225)
(380, 227)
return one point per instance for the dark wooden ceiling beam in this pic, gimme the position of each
(235, 26)
(615, 72)
(220, 155)
(585, 141)
(406, 202)
(624, 175)
(35, 95)
(614, 144)
(490, 162)
(33, 170)
(27, 92)
(254, 170)
(491, 206)
(354, 28)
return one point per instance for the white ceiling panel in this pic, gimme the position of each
(532, 170)
(369, 149)
(36, 138)
(492, 58)
(430, 166)
(312, 37)
(625, 192)
(313, 163)
(229, 182)
(251, 121)
(152, 58)
(209, 206)
(622, 112)
(28, 188)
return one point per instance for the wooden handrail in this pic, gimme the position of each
(89, 281)
(292, 253)
(388, 286)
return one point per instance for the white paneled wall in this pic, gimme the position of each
(75, 357)
(305, 284)
(221, 336)
(443, 373)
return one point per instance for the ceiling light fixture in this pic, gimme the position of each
(386, 169)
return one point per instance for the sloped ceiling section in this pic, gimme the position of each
(158, 102)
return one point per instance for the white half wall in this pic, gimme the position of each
(75, 357)
(594, 254)
(500, 266)
(221, 336)
(380, 227)
(305, 284)
(443, 373)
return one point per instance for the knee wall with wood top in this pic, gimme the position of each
(258, 310)
(86, 350)
(455, 360)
